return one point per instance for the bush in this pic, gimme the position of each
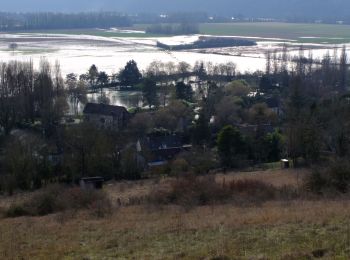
(179, 166)
(252, 190)
(58, 198)
(15, 211)
(193, 191)
(45, 204)
(199, 161)
(334, 177)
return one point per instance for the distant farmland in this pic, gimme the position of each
(297, 32)
(320, 33)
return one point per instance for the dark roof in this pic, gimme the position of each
(92, 179)
(272, 102)
(163, 147)
(164, 142)
(102, 109)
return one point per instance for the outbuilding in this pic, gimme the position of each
(91, 183)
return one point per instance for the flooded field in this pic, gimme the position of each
(76, 53)
(111, 49)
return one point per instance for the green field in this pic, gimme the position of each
(316, 33)
(330, 33)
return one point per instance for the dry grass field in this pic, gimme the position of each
(276, 177)
(299, 229)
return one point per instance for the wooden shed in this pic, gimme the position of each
(91, 183)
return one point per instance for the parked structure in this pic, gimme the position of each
(91, 183)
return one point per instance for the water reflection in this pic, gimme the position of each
(128, 99)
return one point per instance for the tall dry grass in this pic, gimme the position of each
(142, 233)
(292, 228)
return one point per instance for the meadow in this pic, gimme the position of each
(291, 229)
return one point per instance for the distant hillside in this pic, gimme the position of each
(313, 9)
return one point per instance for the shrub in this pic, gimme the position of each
(252, 190)
(45, 204)
(179, 166)
(197, 191)
(316, 182)
(76, 198)
(193, 191)
(15, 211)
(199, 161)
(335, 177)
(58, 198)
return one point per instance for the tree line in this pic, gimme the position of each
(27, 95)
(173, 29)
(42, 21)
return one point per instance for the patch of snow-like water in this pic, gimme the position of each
(77, 53)
(179, 40)
(124, 31)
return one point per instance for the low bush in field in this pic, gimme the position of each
(16, 211)
(192, 191)
(333, 179)
(58, 198)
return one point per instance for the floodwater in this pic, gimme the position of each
(127, 99)
(76, 53)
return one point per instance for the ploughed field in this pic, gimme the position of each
(135, 229)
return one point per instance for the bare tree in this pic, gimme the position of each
(343, 69)
(13, 46)
(268, 62)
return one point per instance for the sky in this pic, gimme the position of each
(263, 8)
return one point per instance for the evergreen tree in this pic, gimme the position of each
(184, 91)
(149, 90)
(231, 146)
(130, 75)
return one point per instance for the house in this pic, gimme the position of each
(106, 116)
(274, 104)
(159, 148)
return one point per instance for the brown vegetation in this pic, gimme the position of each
(57, 199)
(214, 226)
(195, 191)
(275, 177)
(273, 231)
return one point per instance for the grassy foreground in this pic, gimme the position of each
(274, 231)
(301, 229)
